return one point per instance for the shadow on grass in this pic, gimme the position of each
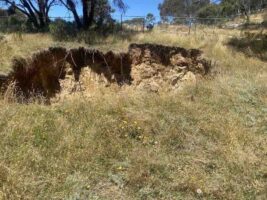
(253, 26)
(252, 44)
(93, 37)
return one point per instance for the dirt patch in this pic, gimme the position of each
(157, 67)
(145, 66)
(114, 67)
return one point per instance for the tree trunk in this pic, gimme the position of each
(37, 15)
(34, 21)
(31, 15)
(77, 19)
(72, 8)
(41, 20)
(92, 12)
(41, 13)
(85, 14)
(36, 11)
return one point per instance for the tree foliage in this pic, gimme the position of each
(206, 8)
(209, 11)
(98, 12)
(150, 18)
(134, 21)
(93, 11)
(235, 7)
(37, 11)
(180, 8)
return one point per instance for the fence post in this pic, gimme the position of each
(144, 24)
(189, 31)
(121, 23)
(195, 27)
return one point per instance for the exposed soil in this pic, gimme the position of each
(157, 67)
(145, 66)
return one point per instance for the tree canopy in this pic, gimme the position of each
(150, 18)
(209, 8)
(93, 11)
(179, 8)
(98, 12)
(37, 11)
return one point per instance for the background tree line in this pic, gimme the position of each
(37, 11)
(97, 13)
(209, 8)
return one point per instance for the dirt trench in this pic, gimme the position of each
(145, 66)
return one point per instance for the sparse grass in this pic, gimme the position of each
(252, 45)
(254, 18)
(18, 44)
(125, 144)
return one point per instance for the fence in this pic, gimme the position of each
(185, 25)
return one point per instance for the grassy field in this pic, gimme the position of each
(207, 142)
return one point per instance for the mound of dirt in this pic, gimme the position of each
(145, 66)
(156, 67)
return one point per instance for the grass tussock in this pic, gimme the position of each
(252, 45)
(209, 141)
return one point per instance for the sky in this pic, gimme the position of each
(135, 8)
(142, 7)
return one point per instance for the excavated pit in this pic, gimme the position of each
(145, 66)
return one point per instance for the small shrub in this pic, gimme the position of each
(108, 28)
(88, 37)
(11, 24)
(62, 30)
(27, 27)
(252, 45)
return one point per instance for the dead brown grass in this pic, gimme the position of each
(208, 141)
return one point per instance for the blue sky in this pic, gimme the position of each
(142, 7)
(136, 8)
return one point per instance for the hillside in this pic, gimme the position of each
(207, 141)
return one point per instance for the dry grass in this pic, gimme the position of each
(125, 144)
(20, 45)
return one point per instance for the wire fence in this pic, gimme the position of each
(186, 25)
